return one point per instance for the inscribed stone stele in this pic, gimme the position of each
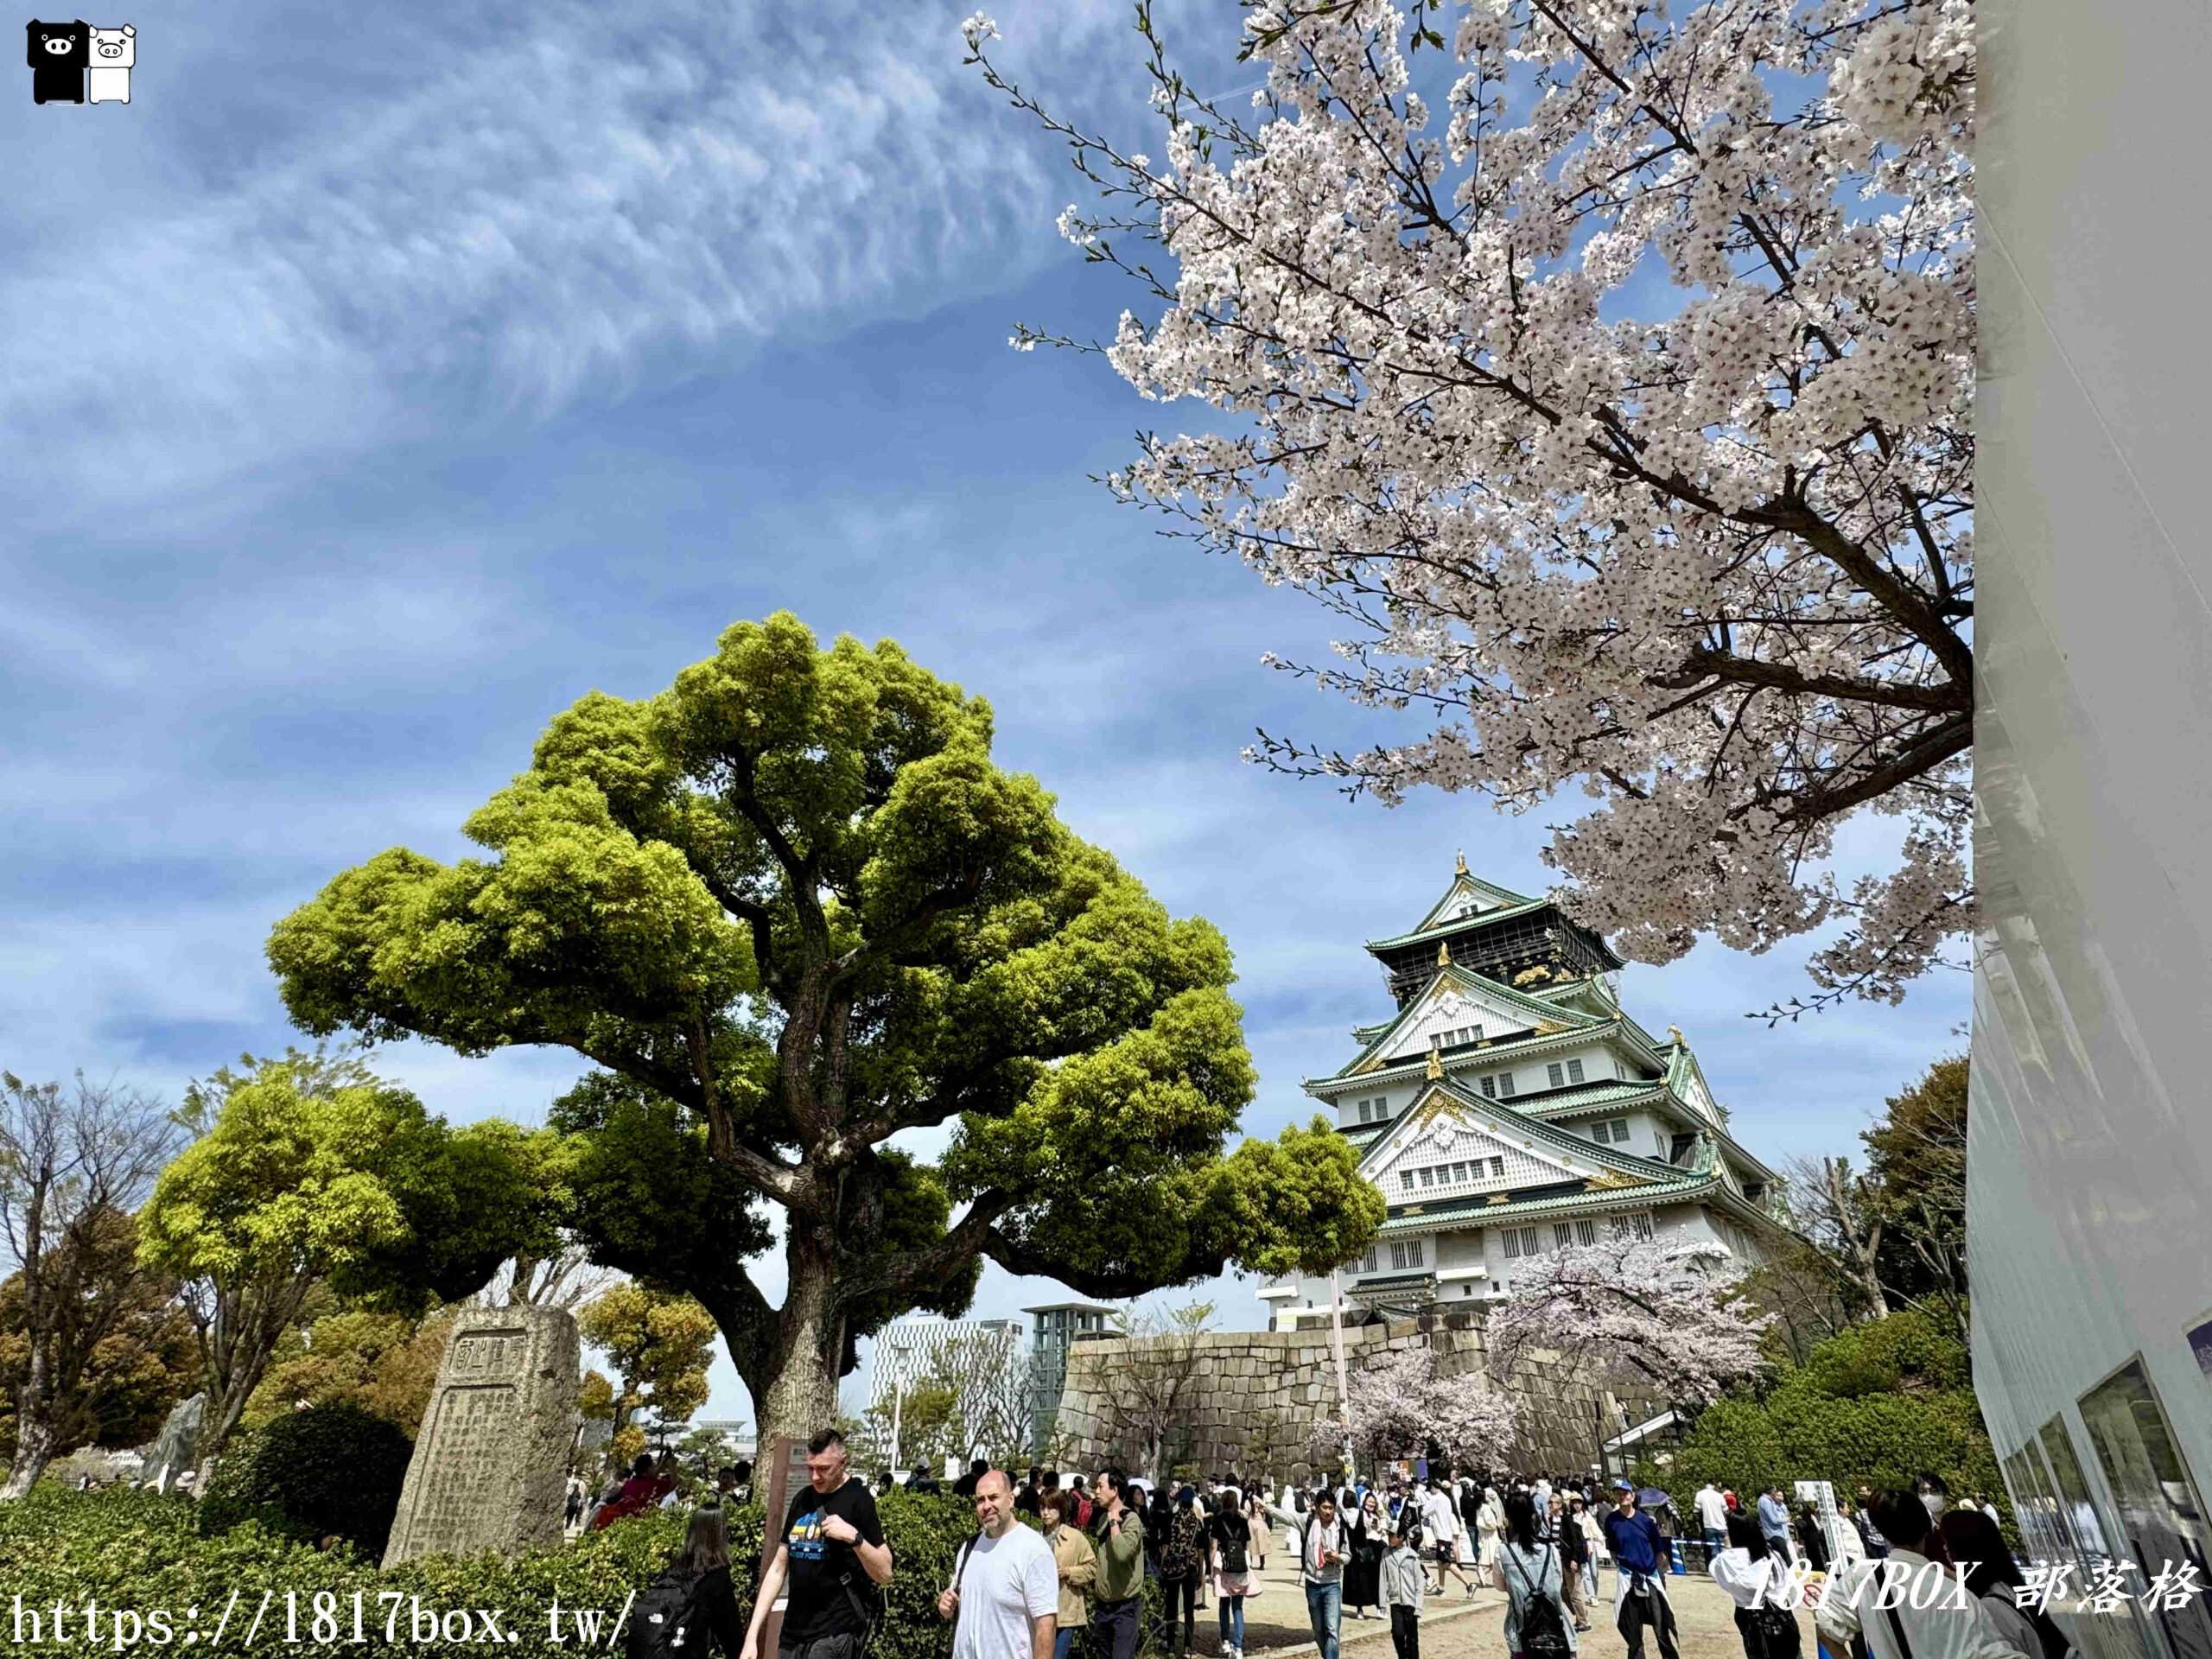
(488, 1471)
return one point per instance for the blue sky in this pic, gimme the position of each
(416, 373)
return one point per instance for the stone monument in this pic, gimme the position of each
(172, 1450)
(488, 1471)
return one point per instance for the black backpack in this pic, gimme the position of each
(665, 1623)
(1543, 1632)
(1234, 1562)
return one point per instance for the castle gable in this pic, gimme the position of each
(1452, 1147)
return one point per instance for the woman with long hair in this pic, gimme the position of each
(1255, 1513)
(1230, 1542)
(1530, 1571)
(1757, 1581)
(698, 1583)
(1368, 1533)
(1074, 1560)
(1973, 1541)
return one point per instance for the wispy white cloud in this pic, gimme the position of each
(604, 193)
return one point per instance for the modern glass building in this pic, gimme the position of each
(2089, 1141)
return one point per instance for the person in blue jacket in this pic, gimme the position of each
(1640, 1590)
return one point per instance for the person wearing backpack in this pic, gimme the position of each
(693, 1602)
(1005, 1593)
(833, 1557)
(1534, 1578)
(1231, 1544)
(1757, 1581)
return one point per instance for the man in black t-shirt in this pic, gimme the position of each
(833, 1559)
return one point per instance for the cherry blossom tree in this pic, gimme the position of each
(1710, 567)
(1400, 1408)
(1673, 1316)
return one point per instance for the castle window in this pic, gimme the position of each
(1505, 1084)
(1414, 1252)
(1497, 1167)
(1620, 1131)
(1406, 1179)
(1364, 1108)
(1428, 1175)
(1490, 1088)
(1642, 1223)
(1458, 1171)
(1512, 1242)
(1574, 1071)
(1562, 1235)
(1527, 1241)
(1586, 1232)
(1554, 1075)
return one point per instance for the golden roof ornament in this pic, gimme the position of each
(1436, 1064)
(1461, 861)
(1444, 954)
(1675, 1031)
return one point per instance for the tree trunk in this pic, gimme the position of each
(802, 1394)
(36, 1442)
(36, 1446)
(1859, 1240)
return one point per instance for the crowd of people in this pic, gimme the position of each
(1372, 1549)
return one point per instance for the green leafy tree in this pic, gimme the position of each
(385, 1364)
(792, 897)
(1876, 1406)
(311, 1169)
(1893, 1234)
(1917, 1164)
(660, 1346)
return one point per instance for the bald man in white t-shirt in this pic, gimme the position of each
(1006, 1588)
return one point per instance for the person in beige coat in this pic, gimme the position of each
(1076, 1560)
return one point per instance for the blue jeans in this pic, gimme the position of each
(1325, 1607)
(1715, 1538)
(1232, 1622)
(1063, 1641)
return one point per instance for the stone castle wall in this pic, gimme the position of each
(1247, 1400)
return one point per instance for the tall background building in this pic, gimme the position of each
(2090, 1144)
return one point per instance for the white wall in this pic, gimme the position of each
(2090, 1142)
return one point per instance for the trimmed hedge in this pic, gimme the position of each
(331, 1468)
(144, 1552)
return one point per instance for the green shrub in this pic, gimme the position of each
(1876, 1406)
(138, 1550)
(332, 1468)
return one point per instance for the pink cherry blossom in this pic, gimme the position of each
(1400, 1408)
(1709, 569)
(1667, 1317)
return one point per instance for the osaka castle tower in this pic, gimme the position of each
(1511, 1107)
